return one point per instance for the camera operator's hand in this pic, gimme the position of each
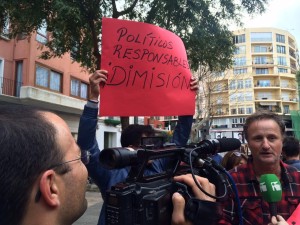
(98, 77)
(178, 217)
(278, 220)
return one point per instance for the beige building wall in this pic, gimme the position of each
(263, 76)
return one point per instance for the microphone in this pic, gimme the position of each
(271, 191)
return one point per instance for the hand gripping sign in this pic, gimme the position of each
(148, 71)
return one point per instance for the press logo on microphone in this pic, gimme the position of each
(274, 185)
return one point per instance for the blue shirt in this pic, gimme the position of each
(294, 163)
(105, 178)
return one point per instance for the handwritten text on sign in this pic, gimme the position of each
(148, 71)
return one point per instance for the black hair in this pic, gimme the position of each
(290, 146)
(28, 148)
(132, 135)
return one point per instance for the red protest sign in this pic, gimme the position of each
(148, 71)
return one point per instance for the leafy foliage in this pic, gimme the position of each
(75, 25)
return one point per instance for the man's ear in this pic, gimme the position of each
(49, 189)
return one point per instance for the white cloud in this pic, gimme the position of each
(282, 14)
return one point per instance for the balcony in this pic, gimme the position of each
(10, 87)
(268, 98)
(286, 99)
(13, 91)
(262, 62)
(267, 85)
(275, 109)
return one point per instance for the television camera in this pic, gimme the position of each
(145, 200)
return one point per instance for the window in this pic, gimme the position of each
(284, 84)
(261, 60)
(285, 96)
(240, 50)
(79, 88)
(48, 78)
(241, 110)
(281, 60)
(261, 36)
(286, 109)
(265, 95)
(218, 87)
(233, 97)
(240, 97)
(233, 111)
(248, 96)
(242, 120)
(240, 61)
(261, 71)
(219, 111)
(232, 85)
(281, 49)
(219, 101)
(238, 120)
(240, 71)
(249, 110)
(239, 39)
(19, 77)
(264, 83)
(282, 70)
(262, 48)
(280, 38)
(248, 83)
(41, 35)
(240, 84)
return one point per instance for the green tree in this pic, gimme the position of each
(75, 25)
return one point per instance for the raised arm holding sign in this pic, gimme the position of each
(148, 71)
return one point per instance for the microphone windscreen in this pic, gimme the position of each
(229, 144)
(270, 188)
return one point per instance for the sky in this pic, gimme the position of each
(282, 14)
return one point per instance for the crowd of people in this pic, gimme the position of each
(44, 171)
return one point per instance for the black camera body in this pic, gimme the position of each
(144, 200)
(140, 203)
(147, 200)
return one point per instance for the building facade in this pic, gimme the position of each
(263, 76)
(58, 84)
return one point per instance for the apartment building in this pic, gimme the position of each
(58, 84)
(263, 76)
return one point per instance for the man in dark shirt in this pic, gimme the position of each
(290, 151)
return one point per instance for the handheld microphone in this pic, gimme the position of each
(271, 191)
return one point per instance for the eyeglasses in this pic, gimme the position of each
(85, 158)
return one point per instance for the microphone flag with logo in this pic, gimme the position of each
(270, 188)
